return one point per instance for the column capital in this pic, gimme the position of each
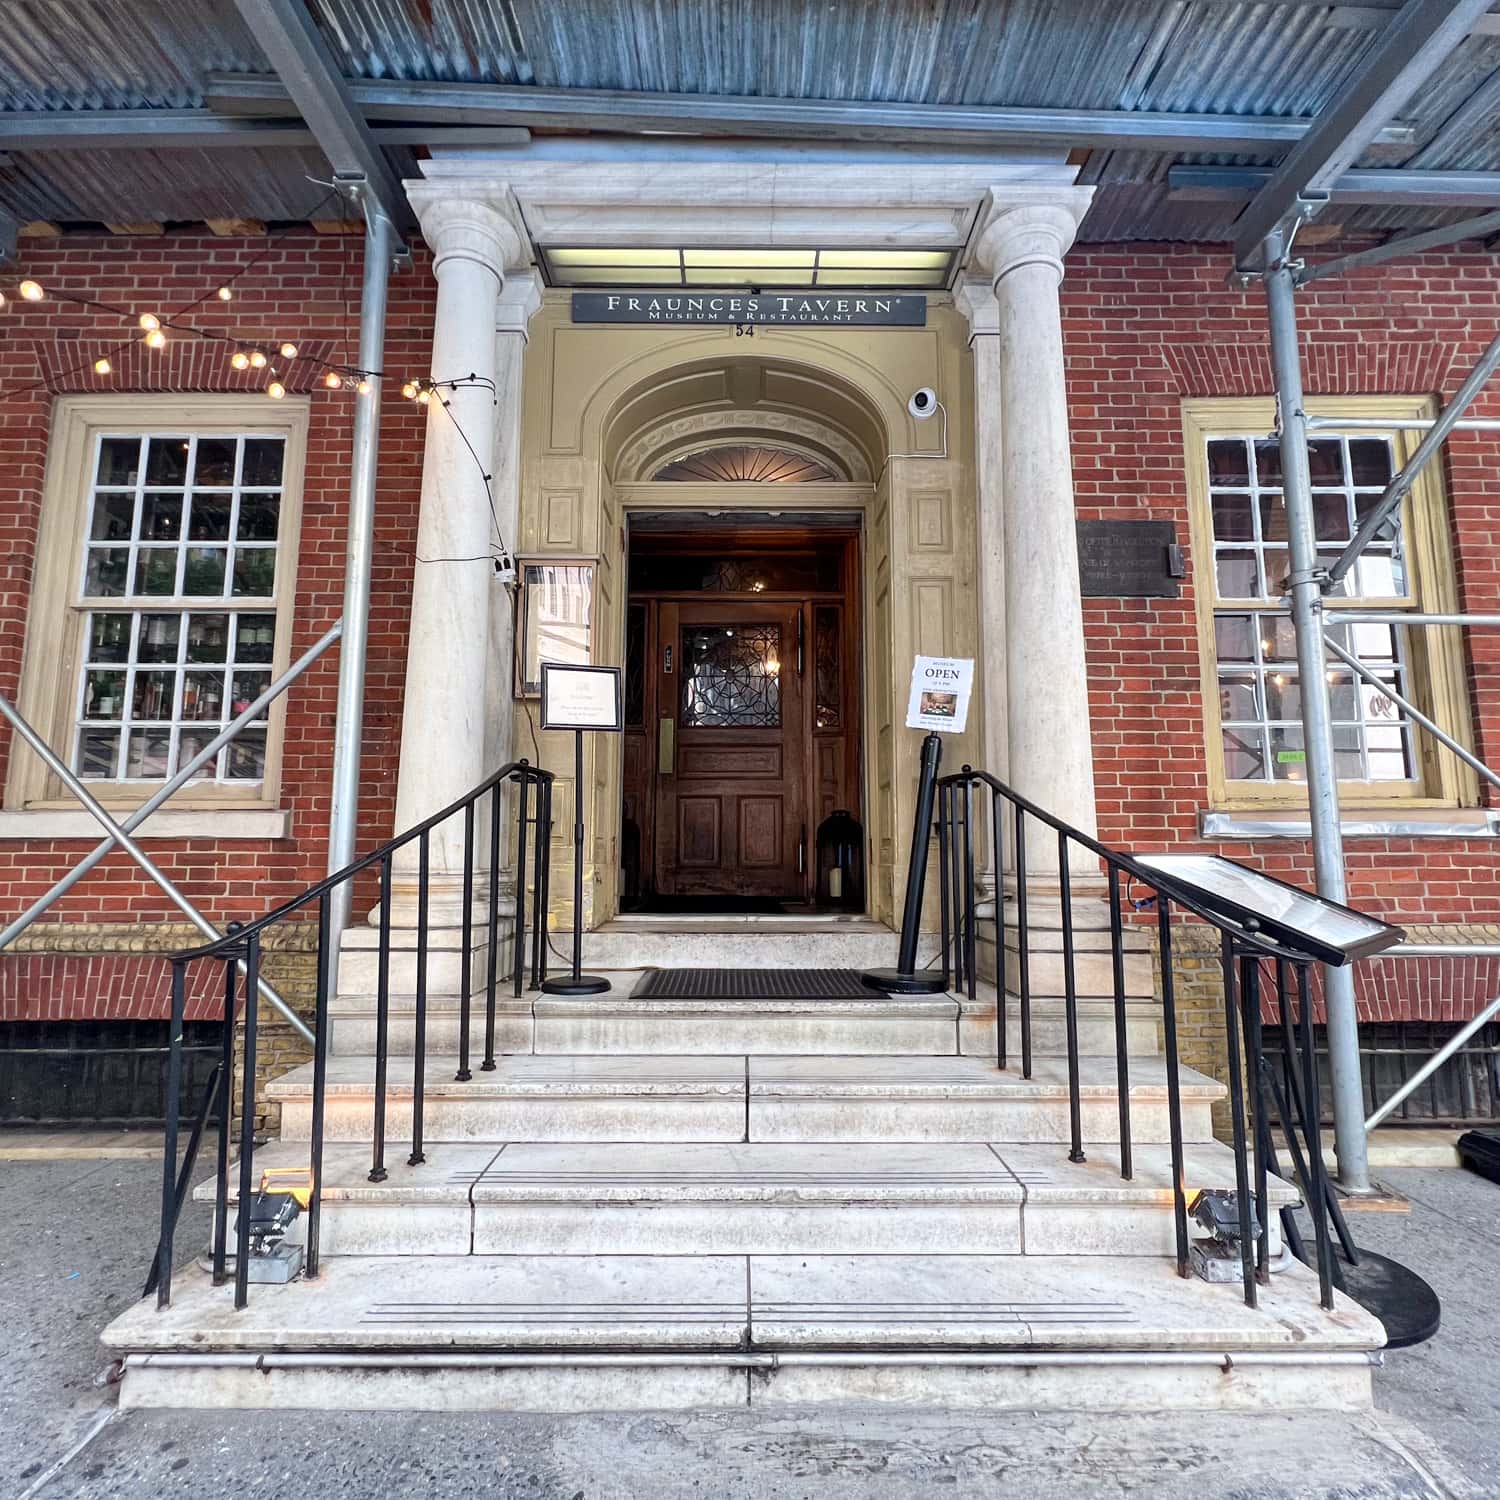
(520, 297)
(974, 297)
(466, 229)
(1012, 234)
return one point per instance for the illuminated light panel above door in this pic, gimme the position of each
(757, 266)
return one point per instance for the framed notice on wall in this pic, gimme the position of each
(581, 697)
(554, 620)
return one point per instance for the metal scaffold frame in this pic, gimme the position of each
(1422, 34)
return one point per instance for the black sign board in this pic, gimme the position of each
(1129, 559)
(805, 309)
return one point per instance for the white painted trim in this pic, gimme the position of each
(1460, 823)
(224, 823)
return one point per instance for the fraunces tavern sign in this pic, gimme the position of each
(869, 309)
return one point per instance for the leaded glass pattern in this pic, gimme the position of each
(179, 566)
(1260, 701)
(635, 665)
(731, 676)
(828, 678)
(747, 463)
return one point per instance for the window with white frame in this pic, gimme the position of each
(161, 609)
(1257, 750)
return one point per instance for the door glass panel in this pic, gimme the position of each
(731, 676)
(827, 676)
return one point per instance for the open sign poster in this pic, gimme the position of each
(940, 690)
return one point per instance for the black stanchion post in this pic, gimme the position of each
(577, 982)
(905, 979)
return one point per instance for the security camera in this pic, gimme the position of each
(923, 403)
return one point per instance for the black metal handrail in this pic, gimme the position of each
(242, 946)
(1253, 965)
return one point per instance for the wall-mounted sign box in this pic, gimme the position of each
(813, 309)
(1286, 914)
(1129, 560)
(581, 697)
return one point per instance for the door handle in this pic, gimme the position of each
(666, 729)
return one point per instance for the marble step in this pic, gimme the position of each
(752, 1199)
(565, 1098)
(622, 1332)
(921, 1025)
(528, 1098)
(770, 942)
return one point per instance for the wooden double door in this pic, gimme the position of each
(742, 742)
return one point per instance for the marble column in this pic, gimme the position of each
(520, 298)
(1050, 747)
(454, 588)
(975, 298)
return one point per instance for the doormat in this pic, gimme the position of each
(754, 984)
(710, 906)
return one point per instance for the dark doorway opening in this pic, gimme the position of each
(742, 678)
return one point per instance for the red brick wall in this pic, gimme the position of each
(305, 289)
(102, 986)
(1145, 328)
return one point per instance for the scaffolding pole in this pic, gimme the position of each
(1317, 732)
(349, 719)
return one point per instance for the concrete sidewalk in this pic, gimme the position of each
(75, 1236)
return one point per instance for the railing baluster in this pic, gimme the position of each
(960, 916)
(1254, 1058)
(247, 1126)
(382, 1022)
(1237, 1112)
(465, 957)
(997, 841)
(538, 893)
(169, 1141)
(544, 900)
(1122, 1036)
(1318, 1188)
(492, 957)
(419, 1018)
(1174, 1081)
(970, 901)
(518, 938)
(1070, 999)
(320, 1084)
(1023, 943)
(945, 895)
(226, 1117)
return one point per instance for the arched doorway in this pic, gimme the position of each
(744, 525)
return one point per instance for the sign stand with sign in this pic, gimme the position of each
(941, 687)
(580, 699)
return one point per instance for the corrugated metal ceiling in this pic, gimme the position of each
(1212, 56)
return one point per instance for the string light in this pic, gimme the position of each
(276, 390)
(363, 387)
(289, 350)
(31, 291)
(150, 322)
(2, 299)
(156, 339)
(409, 390)
(257, 360)
(424, 396)
(225, 294)
(333, 380)
(102, 366)
(240, 360)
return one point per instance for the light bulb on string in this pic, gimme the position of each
(289, 350)
(156, 339)
(333, 380)
(150, 322)
(240, 360)
(409, 390)
(363, 387)
(102, 366)
(31, 291)
(276, 390)
(424, 396)
(257, 360)
(225, 294)
(2, 299)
